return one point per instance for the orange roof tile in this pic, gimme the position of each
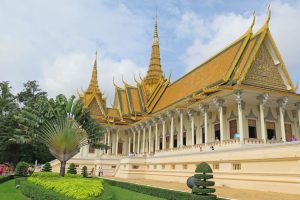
(203, 76)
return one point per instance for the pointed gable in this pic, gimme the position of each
(261, 64)
(263, 71)
(95, 108)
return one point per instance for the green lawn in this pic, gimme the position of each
(8, 191)
(122, 194)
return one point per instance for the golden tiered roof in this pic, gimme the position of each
(248, 61)
(155, 73)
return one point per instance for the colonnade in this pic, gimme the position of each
(153, 130)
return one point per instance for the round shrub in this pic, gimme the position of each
(22, 169)
(47, 167)
(72, 169)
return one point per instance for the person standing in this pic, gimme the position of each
(100, 171)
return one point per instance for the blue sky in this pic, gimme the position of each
(55, 41)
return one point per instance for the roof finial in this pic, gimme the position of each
(93, 86)
(155, 33)
(114, 81)
(95, 62)
(269, 13)
(253, 21)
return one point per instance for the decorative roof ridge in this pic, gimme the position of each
(265, 27)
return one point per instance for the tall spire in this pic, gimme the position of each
(154, 73)
(93, 86)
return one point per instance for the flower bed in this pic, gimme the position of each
(70, 186)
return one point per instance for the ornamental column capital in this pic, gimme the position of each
(282, 102)
(162, 117)
(179, 111)
(238, 97)
(170, 113)
(149, 122)
(203, 108)
(190, 113)
(262, 99)
(155, 120)
(218, 102)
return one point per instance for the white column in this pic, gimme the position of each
(282, 103)
(108, 141)
(149, 136)
(156, 136)
(117, 141)
(129, 142)
(240, 114)
(219, 103)
(171, 116)
(144, 138)
(163, 132)
(262, 101)
(191, 116)
(133, 132)
(204, 109)
(138, 140)
(298, 110)
(180, 134)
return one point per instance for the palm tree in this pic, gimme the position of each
(63, 137)
(64, 126)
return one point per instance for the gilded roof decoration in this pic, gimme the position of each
(243, 63)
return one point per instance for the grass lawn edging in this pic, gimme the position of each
(3, 179)
(157, 192)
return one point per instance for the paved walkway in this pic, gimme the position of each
(231, 193)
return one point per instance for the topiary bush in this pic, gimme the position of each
(72, 169)
(22, 169)
(47, 167)
(84, 172)
(201, 182)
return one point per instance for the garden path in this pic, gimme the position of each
(240, 194)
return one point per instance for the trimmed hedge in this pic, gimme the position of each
(153, 191)
(76, 187)
(5, 178)
(37, 192)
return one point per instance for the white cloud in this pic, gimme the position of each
(227, 27)
(71, 73)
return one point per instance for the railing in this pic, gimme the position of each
(217, 145)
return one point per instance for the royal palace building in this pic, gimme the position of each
(239, 111)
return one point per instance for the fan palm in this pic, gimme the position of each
(64, 137)
(63, 125)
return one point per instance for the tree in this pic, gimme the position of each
(22, 169)
(72, 169)
(30, 93)
(84, 171)
(17, 143)
(64, 126)
(201, 183)
(47, 167)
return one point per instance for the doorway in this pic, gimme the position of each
(217, 132)
(288, 132)
(271, 132)
(120, 148)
